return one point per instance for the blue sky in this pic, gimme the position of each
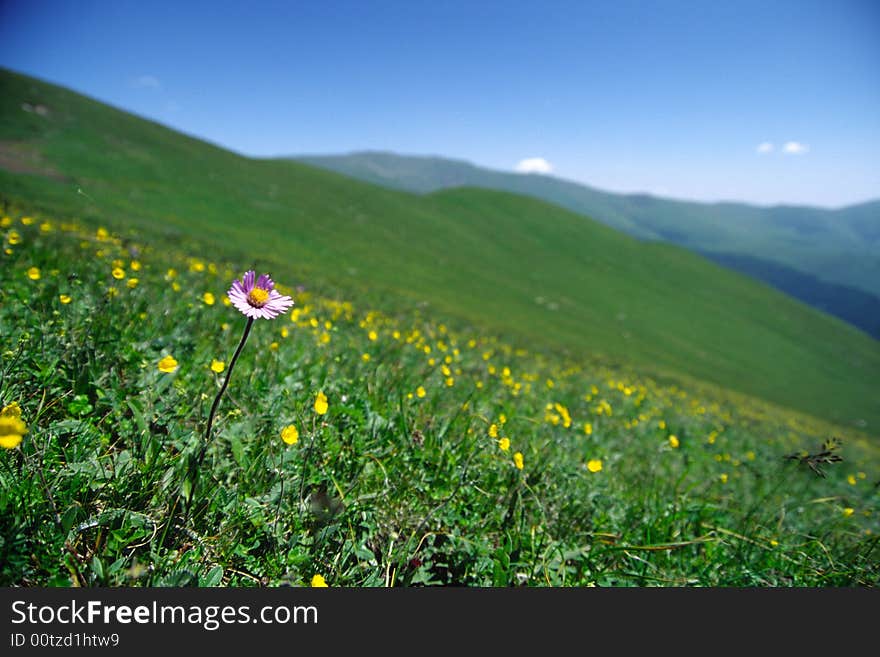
(764, 102)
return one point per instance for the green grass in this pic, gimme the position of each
(505, 263)
(390, 486)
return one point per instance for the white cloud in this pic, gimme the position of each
(534, 165)
(146, 82)
(764, 147)
(795, 148)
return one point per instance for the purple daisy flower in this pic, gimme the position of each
(258, 299)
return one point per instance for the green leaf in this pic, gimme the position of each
(138, 416)
(80, 405)
(98, 568)
(213, 578)
(69, 517)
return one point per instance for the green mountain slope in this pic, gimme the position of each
(837, 246)
(859, 308)
(537, 273)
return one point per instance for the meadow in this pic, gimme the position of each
(364, 446)
(499, 262)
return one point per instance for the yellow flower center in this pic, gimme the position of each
(258, 297)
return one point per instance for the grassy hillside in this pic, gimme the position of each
(838, 246)
(537, 273)
(358, 448)
(860, 309)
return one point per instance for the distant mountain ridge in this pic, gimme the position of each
(839, 247)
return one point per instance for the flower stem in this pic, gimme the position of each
(194, 472)
(244, 337)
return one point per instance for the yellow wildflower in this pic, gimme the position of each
(118, 273)
(318, 581)
(674, 442)
(63, 298)
(167, 364)
(504, 444)
(290, 435)
(33, 273)
(217, 365)
(132, 282)
(594, 465)
(321, 403)
(518, 460)
(563, 413)
(12, 428)
(208, 298)
(420, 392)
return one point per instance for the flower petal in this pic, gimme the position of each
(265, 282)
